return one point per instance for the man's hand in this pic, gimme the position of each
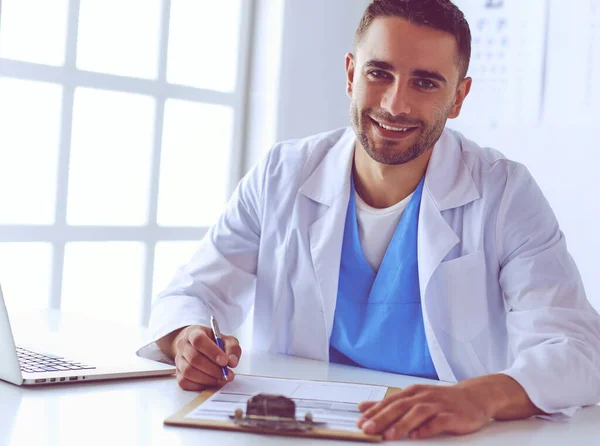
(422, 411)
(198, 359)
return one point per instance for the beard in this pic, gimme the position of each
(387, 152)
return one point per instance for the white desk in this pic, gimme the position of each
(131, 412)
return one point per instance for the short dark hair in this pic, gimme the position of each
(442, 15)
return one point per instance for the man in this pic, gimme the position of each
(400, 246)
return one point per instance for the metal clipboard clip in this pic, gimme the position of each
(273, 413)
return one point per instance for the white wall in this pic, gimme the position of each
(316, 36)
(297, 77)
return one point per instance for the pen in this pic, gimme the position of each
(218, 340)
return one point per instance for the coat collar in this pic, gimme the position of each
(331, 177)
(447, 179)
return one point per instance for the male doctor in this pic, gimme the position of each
(396, 245)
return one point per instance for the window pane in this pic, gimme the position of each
(25, 271)
(104, 279)
(203, 43)
(168, 257)
(119, 37)
(111, 152)
(30, 116)
(34, 30)
(194, 163)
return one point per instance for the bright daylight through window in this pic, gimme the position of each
(120, 133)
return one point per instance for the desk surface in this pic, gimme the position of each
(131, 412)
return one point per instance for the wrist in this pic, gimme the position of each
(168, 343)
(488, 392)
(501, 397)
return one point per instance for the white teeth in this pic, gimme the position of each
(393, 129)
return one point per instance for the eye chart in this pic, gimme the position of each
(573, 74)
(507, 61)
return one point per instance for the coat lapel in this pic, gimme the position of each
(448, 185)
(325, 238)
(329, 187)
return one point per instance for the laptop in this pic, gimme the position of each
(31, 366)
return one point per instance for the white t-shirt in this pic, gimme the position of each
(376, 228)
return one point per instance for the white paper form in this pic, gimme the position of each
(573, 67)
(334, 403)
(507, 62)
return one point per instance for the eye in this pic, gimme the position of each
(425, 84)
(378, 74)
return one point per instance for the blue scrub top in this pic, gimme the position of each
(378, 320)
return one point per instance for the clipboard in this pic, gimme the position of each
(178, 419)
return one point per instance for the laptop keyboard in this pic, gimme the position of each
(33, 362)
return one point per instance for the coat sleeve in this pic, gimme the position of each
(554, 331)
(220, 278)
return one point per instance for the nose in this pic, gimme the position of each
(395, 99)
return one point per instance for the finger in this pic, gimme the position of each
(186, 384)
(435, 426)
(376, 407)
(230, 376)
(373, 410)
(397, 402)
(411, 391)
(201, 363)
(232, 350)
(183, 382)
(412, 419)
(383, 419)
(189, 372)
(452, 423)
(365, 405)
(202, 342)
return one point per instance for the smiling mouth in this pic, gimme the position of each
(393, 131)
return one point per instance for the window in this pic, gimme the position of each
(120, 141)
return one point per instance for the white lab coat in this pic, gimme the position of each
(500, 293)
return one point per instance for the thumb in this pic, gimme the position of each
(233, 350)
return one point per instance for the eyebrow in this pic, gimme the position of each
(418, 73)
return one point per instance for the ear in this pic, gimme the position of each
(463, 90)
(349, 73)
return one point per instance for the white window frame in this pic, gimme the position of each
(70, 77)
